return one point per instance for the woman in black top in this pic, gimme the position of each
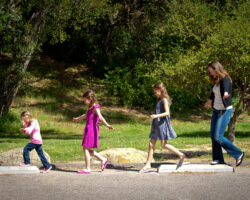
(221, 100)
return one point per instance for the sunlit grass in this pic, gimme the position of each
(62, 138)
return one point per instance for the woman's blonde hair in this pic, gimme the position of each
(220, 72)
(27, 115)
(90, 95)
(164, 94)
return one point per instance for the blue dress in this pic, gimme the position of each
(161, 128)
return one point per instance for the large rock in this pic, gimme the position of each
(15, 157)
(124, 155)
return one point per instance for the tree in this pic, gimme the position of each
(232, 47)
(228, 42)
(23, 26)
(176, 46)
(26, 25)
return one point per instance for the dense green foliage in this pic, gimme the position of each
(131, 44)
(134, 44)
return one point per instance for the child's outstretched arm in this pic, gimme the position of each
(98, 112)
(76, 119)
(164, 114)
(28, 128)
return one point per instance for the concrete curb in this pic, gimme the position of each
(161, 167)
(19, 170)
(133, 165)
(195, 168)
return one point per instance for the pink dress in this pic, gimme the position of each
(90, 133)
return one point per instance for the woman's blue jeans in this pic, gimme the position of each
(219, 122)
(39, 150)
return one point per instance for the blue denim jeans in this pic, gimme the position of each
(219, 122)
(39, 150)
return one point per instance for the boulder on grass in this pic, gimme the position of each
(15, 157)
(124, 155)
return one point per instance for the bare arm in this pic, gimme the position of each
(98, 112)
(76, 119)
(166, 108)
(208, 104)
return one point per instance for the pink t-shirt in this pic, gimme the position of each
(34, 131)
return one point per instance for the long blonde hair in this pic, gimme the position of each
(164, 94)
(27, 115)
(220, 72)
(90, 95)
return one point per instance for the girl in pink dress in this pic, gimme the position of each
(90, 135)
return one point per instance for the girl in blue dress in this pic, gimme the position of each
(161, 127)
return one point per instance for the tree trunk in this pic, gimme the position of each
(231, 128)
(244, 100)
(13, 76)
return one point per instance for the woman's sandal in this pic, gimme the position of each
(83, 171)
(145, 170)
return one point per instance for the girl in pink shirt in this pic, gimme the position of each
(32, 128)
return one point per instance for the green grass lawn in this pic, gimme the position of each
(62, 138)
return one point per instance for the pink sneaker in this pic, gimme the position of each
(24, 165)
(46, 170)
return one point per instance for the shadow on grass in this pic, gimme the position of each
(205, 134)
(52, 134)
(56, 107)
(192, 115)
(69, 108)
(69, 113)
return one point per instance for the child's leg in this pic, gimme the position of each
(42, 157)
(151, 148)
(171, 148)
(26, 152)
(98, 156)
(174, 150)
(87, 158)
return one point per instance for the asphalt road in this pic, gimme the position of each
(115, 184)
